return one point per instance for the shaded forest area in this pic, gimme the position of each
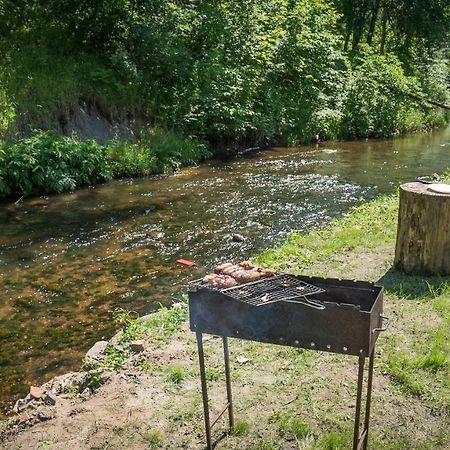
(175, 80)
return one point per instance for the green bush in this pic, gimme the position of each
(373, 106)
(173, 150)
(128, 160)
(48, 163)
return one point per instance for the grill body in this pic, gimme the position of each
(344, 317)
(348, 324)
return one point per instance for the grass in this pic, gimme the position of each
(240, 428)
(369, 225)
(176, 375)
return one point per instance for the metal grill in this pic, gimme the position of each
(275, 289)
(345, 317)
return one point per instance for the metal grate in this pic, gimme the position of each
(281, 287)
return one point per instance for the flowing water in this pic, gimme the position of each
(67, 261)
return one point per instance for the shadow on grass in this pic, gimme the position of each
(414, 286)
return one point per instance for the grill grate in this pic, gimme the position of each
(281, 287)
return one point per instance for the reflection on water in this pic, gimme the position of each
(67, 261)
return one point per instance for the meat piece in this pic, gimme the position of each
(237, 274)
(230, 269)
(245, 276)
(244, 272)
(222, 267)
(265, 273)
(219, 281)
(209, 279)
(250, 275)
(248, 265)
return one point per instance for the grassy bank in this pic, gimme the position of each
(284, 397)
(47, 163)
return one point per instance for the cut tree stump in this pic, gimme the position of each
(423, 234)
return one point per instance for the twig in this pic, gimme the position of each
(290, 401)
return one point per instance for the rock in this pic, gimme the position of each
(24, 418)
(179, 305)
(72, 381)
(42, 417)
(21, 404)
(238, 237)
(138, 346)
(50, 398)
(86, 393)
(36, 392)
(97, 351)
(77, 410)
(242, 359)
(130, 378)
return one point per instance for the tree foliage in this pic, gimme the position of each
(227, 72)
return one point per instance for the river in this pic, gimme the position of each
(67, 261)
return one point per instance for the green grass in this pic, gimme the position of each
(334, 441)
(368, 225)
(176, 375)
(159, 327)
(154, 439)
(240, 428)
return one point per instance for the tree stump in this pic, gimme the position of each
(423, 234)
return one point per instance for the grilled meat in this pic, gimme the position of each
(219, 281)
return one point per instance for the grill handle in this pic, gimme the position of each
(304, 301)
(382, 329)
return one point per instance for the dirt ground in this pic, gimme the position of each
(284, 398)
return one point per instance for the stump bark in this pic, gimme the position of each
(423, 233)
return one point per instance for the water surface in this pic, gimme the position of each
(67, 261)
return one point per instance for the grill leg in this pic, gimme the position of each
(368, 399)
(358, 402)
(201, 359)
(228, 380)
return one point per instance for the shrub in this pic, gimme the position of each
(129, 160)
(373, 106)
(173, 150)
(49, 163)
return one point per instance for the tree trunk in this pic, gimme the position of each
(347, 40)
(373, 21)
(423, 234)
(383, 30)
(357, 32)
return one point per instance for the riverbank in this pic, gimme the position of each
(283, 397)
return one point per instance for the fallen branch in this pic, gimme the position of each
(427, 100)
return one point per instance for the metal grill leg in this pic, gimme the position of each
(201, 359)
(368, 399)
(228, 381)
(358, 402)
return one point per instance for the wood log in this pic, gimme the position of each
(423, 233)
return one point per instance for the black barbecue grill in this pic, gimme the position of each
(339, 316)
(283, 287)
